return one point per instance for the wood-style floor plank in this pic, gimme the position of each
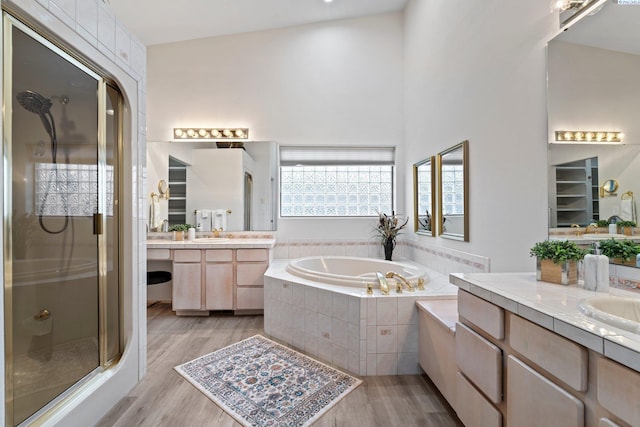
(164, 398)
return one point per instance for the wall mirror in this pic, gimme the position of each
(203, 177)
(424, 182)
(592, 71)
(453, 194)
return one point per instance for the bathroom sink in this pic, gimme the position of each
(621, 312)
(211, 240)
(603, 236)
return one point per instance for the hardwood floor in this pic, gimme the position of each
(164, 398)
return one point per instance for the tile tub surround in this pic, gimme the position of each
(555, 307)
(364, 334)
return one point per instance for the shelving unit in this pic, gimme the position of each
(577, 193)
(178, 194)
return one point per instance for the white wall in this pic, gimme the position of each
(337, 83)
(476, 71)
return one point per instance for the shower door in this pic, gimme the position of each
(61, 222)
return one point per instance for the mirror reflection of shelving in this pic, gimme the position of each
(178, 195)
(577, 192)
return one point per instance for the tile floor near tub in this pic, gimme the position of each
(368, 335)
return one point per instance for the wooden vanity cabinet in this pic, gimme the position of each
(219, 279)
(251, 264)
(187, 280)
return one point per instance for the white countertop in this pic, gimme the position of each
(224, 243)
(555, 307)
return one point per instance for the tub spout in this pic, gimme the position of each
(384, 285)
(399, 281)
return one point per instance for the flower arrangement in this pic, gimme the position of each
(389, 228)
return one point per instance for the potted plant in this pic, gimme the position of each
(627, 227)
(557, 261)
(178, 230)
(620, 251)
(389, 228)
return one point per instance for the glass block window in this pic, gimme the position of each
(70, 189)
(316, 182)
(452, 189)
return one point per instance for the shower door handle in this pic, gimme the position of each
(97, 223)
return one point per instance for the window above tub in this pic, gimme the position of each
(336, 181)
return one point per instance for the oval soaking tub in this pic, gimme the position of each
(350, 271)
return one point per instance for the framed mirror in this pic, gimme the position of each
(453, 194)
(424, 184)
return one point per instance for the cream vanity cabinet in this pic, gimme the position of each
(220, 278)
(187, 280)
(514, 372)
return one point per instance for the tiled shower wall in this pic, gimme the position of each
(440, 259)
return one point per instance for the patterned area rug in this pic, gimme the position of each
(262, 383)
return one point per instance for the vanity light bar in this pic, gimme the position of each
(588, 136)
(210, 133)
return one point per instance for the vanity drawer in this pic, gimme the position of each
(480, 361)
(250, 274)
(158, 254)
(533, 400)
(252, 255)
(250, 298)
(186, 255)
(569, 361)
(219, 255)
(474, 409)
(619, 390)
(483, 314)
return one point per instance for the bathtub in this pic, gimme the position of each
(351, 271)
(46, 270)
(320, 305)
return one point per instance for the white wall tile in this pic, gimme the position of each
(298, 318)
(311, 298)
(354, 310)
(372, 334)
(408, 364)
(407, 338)
(340, 356)
(106, 30)
(325, 302)
(325, 350)
(386, 364)
(298, 295)
(387, 339)
(325, 327)
(407, 311)
(65, 10)
(354, 362)
(372, 364)
(340, 306)
(287, 292)
(372, 310)
(387, 311)
(87, 17)
(353, 337)
(298, 338)
(311, 323)
(123, 46)
(340, 332)
(311, 344)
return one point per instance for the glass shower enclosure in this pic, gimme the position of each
(62, 130)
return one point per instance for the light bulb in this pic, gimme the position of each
(226, 133)
(191, 133)
(202, 132)
(215, 132)
(239, 133)
(178, 133)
